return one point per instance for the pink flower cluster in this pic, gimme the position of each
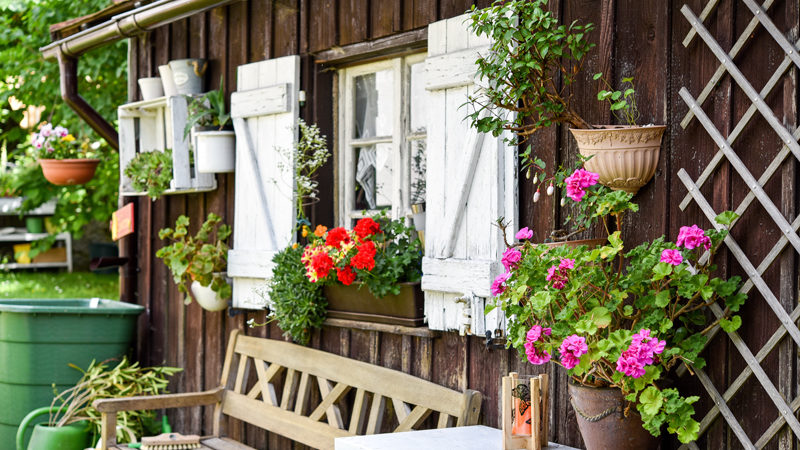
(498, 285)
(693, 237)
(578, 181)
(571, 350)
(45, 132)
(511, 258)
(558, 274)
(524, 233)
(641, 352)
(533, 335)
(671, 256)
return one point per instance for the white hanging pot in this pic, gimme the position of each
(215, 151)
(207, 298)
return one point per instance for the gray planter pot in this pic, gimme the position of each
(188, 75)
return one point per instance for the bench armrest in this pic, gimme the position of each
(159, 401)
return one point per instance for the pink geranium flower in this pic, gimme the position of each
(641, 352)
(524, 233)
(578, 181)
(511, 258)
(693, 237)
(571, 350)
(671, 256)
(498, 285)
(534, 335)
(536, 332)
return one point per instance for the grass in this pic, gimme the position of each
(58, 285)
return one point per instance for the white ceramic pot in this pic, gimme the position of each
(215, 151)
(167, 81)
(151, 88)
(625, 157)
(207, 298)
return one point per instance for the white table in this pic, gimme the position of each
(476, 437)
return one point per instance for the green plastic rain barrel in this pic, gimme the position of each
(38, 341)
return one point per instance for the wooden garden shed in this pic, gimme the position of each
(721, 74)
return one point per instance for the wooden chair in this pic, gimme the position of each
(299, 370)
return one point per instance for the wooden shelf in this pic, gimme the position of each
(50, 265)
(21, 235)
(384, 328)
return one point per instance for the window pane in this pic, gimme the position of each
(418, 167)
(374, 104)
(374, 176)
(418, 96)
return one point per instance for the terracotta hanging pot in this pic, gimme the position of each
(68, 172)
(603, 425)
(625, 157)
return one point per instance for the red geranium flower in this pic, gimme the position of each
(321, 263)
(346, 275)
(365, 258)
(337, 237)
(367, 227)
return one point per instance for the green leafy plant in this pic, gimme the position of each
(296, 304)
(621, 103)
(207, 110)
(100, 381)
(58, 143)
(619, 319)
(202, 257)
(380, 254)
(529, 51)
(151, 172)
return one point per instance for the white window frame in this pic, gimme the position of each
(402, 138)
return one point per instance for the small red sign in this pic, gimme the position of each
(122, 222)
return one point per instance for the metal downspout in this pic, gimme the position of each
(68, 67)
(126, 25)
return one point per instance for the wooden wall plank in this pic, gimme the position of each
(322, 24)
(384, 17)
(419, 13)
(287, 14)
(353, 21)
(260, 30)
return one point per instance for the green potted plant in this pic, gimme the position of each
(528, 47)
(199, 262)
(214, 145)
(73, 421)
(620, 322)
(65, 161)
(151, 172)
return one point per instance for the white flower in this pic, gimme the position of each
(550, 189)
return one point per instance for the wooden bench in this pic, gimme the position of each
(293, 371)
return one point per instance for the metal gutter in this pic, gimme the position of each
(122, 26)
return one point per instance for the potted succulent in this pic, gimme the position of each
(199, 262)
(73, 421)
(151, 172)
(64, 160)
(214, 145)
(528, 47)
(620, 322)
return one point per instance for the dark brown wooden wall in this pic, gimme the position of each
(635, 37)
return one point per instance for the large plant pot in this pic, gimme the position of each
(207, 298)
(188, 75)
(44, 437)
(603, 426)
(625, 157)
(350, 302)
(68, 172)
(216, 151)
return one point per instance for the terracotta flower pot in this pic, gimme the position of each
(350, 302)
(603, 425)
(625, 157)
(68, 172)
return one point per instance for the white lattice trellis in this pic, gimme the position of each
(786, 409)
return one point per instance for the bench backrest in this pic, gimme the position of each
(281, 398)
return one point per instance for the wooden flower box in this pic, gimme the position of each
(157, 125)
(349, 302)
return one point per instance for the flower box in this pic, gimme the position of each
(349, 302)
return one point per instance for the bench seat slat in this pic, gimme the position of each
(273, 418)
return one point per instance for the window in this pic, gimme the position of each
(382, 138)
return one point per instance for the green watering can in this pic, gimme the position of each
(74, 436)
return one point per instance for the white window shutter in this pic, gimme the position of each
(471, 181)
(265, 115)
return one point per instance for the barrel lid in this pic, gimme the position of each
(69, 306)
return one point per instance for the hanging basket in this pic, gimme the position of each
(68, 172)
(625, 157)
